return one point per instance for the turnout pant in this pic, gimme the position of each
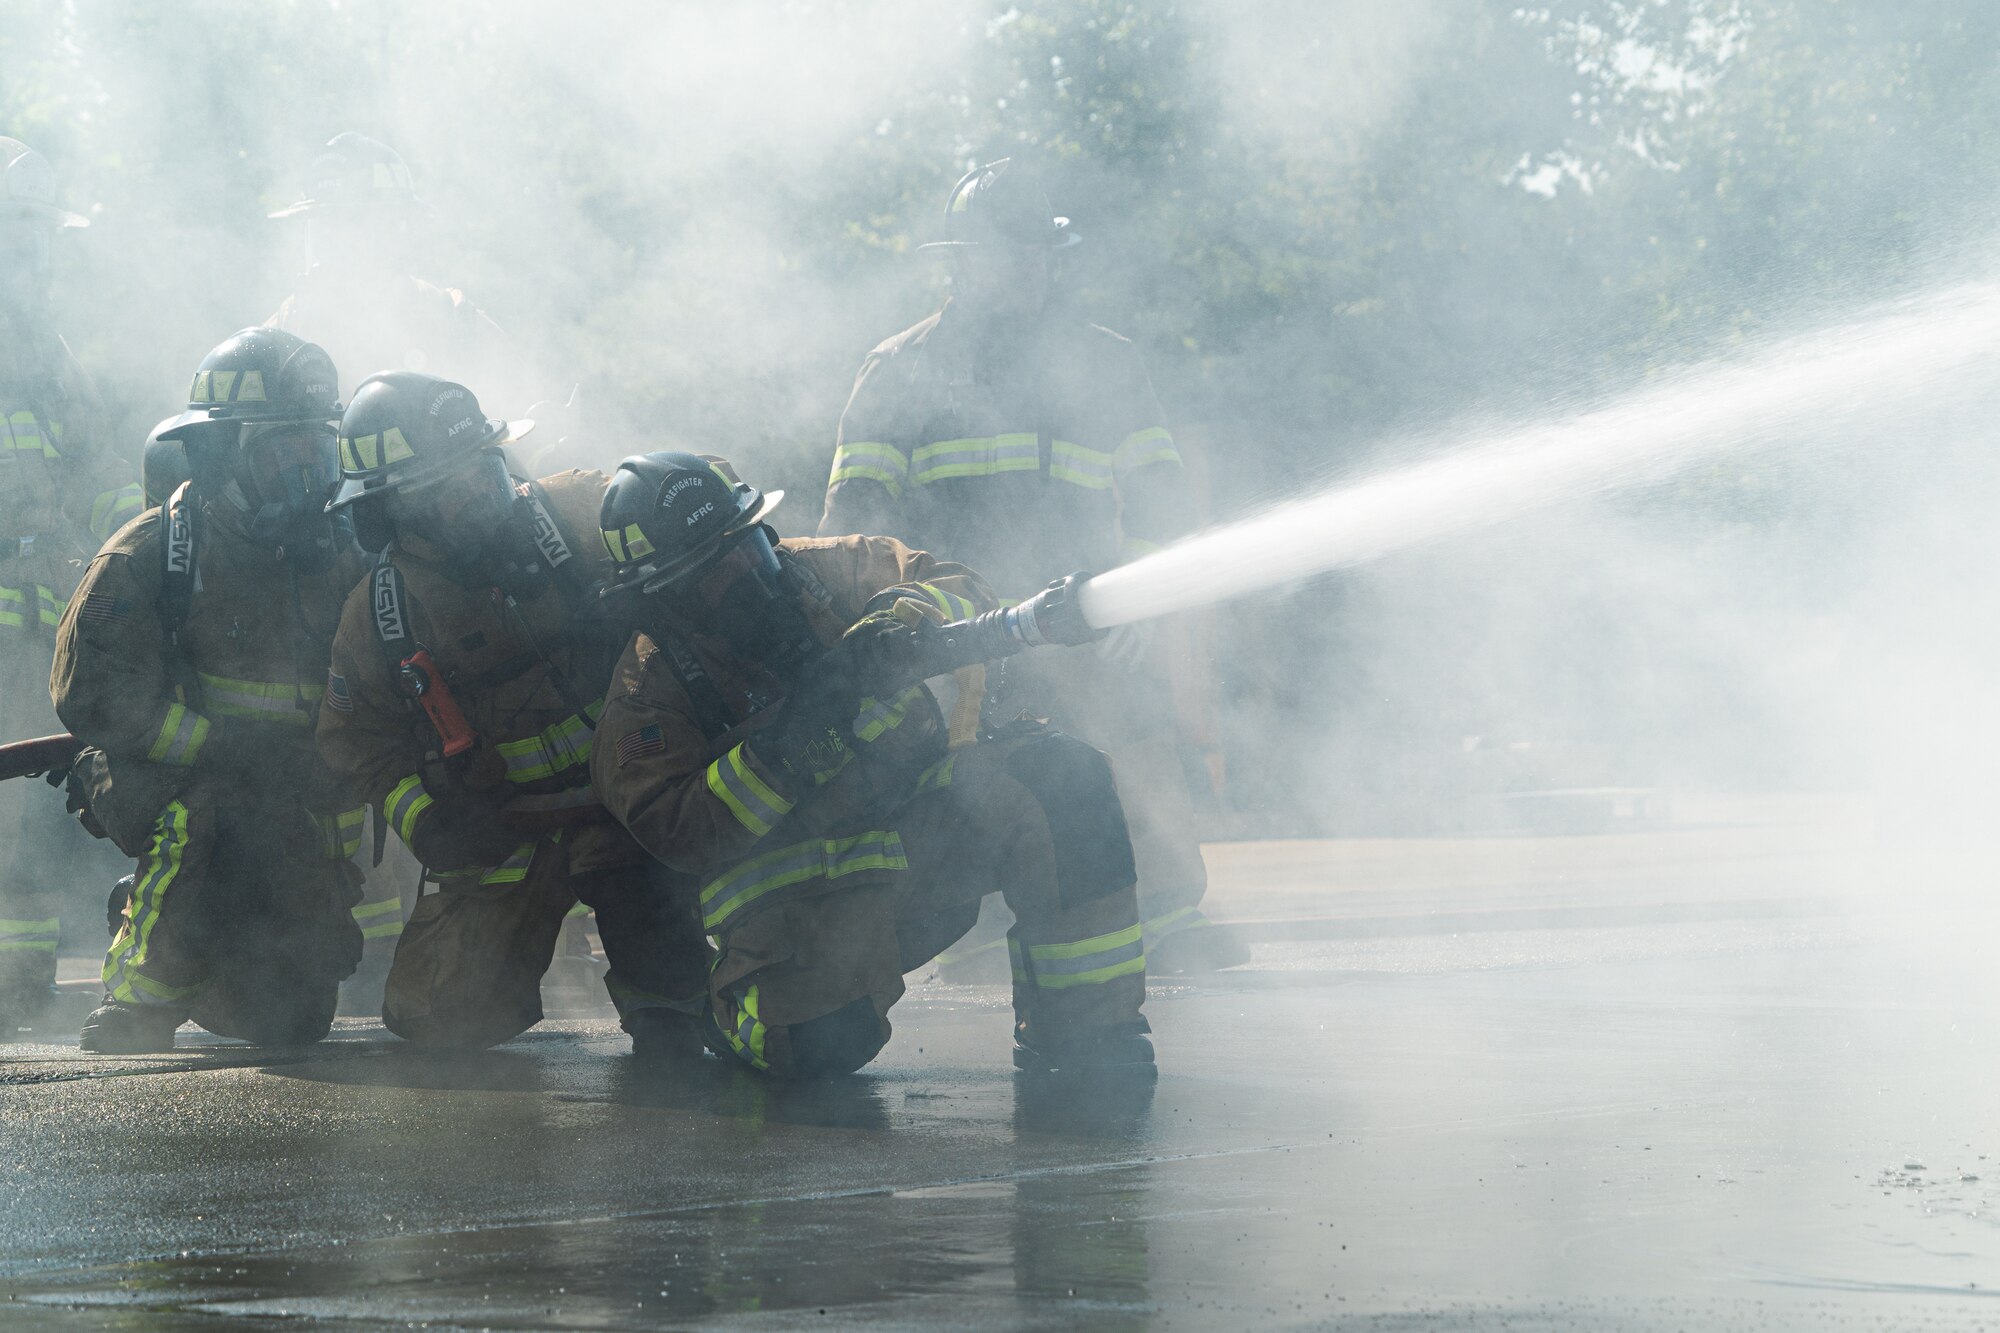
(469, 964)
(815, 935)
(240, 916)
(1129, 715)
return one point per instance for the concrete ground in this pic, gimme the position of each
(1733, 1074)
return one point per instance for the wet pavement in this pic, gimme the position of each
(1722, 1077)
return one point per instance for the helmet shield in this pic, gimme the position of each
(459, 509)
(734, 594)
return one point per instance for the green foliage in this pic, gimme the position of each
(1521, 206)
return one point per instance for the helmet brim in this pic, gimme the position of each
(1060, 238)
(307, 207)
(653, 577)
(498, 434)
(184, 425)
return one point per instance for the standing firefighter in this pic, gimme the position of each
(192, 658)
(357, 297)
(466, 684)
(60, 496)
(766, 734)
(1007, 433)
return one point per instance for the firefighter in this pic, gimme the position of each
(61, 494)
(1008, 433)
(357, 297)
(362, 222)
(763, 736)
(192, 660)
(466, 682)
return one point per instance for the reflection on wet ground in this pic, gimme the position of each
(1770, 1120)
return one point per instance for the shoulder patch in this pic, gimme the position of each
(338, 697)
(637, 744)
(104, 609)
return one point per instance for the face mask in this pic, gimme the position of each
(463, 512)
(285, 473)
(738, 597)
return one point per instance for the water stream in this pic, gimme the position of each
(1909, 352)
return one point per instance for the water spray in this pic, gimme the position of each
(1637, 439)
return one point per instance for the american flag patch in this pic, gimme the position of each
(644, 741)
(337, 696)
(104, 609)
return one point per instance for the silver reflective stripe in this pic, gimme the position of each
(1090, 962)
(975, 458)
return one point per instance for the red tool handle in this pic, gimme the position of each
(422, 678)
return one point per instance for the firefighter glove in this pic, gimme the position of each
(462, 835)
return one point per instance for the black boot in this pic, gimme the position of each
(1122, 1048)
(665, 1036)
(116, 1028)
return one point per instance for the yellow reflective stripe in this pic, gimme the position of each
(975, 458)
(736, 784)
(266, 701)
(157, 871)
(953, 606)
(938, 774)
(746, 1035)
(180, 737)
(735, 889)
(1080, 465)
(512, 870)
(1089, 962)
(10, 599)
(340, 834)
(1172, 923)
(38, 936)
(564, 745)
(404, 805)
(868, 460)
(113, 509)
(52, 606)
(366, 916)
(26, 429)
(1143, 448)
(876, 717)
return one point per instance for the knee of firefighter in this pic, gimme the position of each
(1072, 783)
(832, 1044)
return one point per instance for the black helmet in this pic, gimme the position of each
(259, 375)
(666, 514)
(405, 430)
(165, 466)
(356, 173)
(28, 186)
(1001, 203)
(258, 439)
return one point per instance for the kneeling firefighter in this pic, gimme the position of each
(768, 733)
(192, 659)
(467, 678)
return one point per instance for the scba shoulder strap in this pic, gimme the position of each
(180, 575)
